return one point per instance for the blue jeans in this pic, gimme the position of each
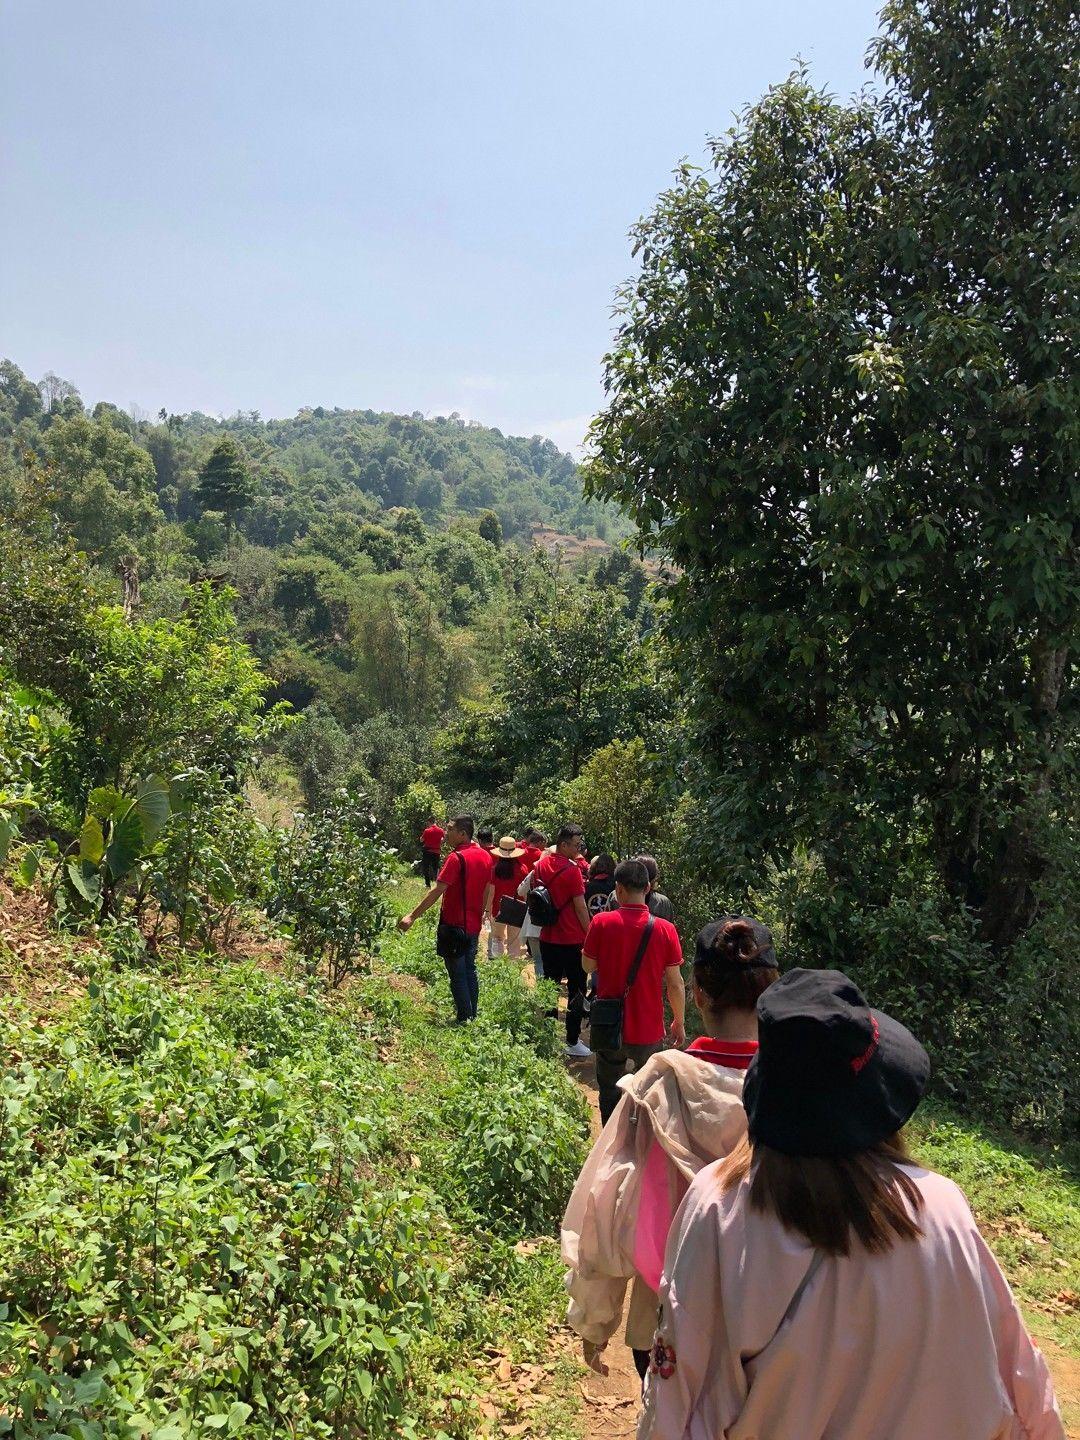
(464, 983)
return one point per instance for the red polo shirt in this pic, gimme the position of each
(432, 838)
(478, 866)
(614, 936)
(532, 852)
(563, 880)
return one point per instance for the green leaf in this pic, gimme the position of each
(152, 804)
(91, 841)
(28, 865)
(125, 844)
(238, 1413)
(104, 802)
(86, 885)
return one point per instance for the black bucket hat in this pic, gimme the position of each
(831, 1076)
(704, 953)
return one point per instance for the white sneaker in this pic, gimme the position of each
(580, 1051)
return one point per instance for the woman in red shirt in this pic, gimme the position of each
(510, 869)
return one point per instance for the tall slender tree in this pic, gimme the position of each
(226, 483)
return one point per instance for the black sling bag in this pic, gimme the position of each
(606, 1015)
(450, 940)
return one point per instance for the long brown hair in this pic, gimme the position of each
(826, 1200)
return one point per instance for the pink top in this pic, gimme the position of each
(922, 1343)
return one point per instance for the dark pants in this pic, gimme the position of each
(563, 962)
(429, 866)
(611, 1066)
(464, 984)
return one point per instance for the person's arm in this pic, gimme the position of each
(597, 1233)
(676, 996)
(1021, 1366)
(588, 963)
(581, 910)
(433, 896)
(489, 895)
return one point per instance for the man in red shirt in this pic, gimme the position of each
(430, 849)
(532, 843)
(560, 943)
(612, 943)
(464, 886)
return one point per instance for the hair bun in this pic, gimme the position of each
(735, 943)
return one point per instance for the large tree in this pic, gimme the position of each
(843, 399)
(226, 483)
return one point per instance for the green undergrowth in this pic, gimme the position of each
(230, 1205)
(1027, 1203)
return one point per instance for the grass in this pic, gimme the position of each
(1028, 1208)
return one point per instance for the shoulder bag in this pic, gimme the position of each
(450, 940)
(606, 1015)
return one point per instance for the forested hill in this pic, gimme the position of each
(357, 462)
(380, 572)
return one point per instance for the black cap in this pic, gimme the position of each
(831, 1076)
(705, 954)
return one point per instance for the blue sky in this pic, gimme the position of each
(222, 204)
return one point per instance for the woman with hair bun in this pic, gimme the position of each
(679, 1112)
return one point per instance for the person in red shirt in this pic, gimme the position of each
(430, 850)
(560, 943)
(532, 846)
(510, 870)
(464, 886)
(613, 941)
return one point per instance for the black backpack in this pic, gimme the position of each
(542, 908)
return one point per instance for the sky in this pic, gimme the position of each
(412, 205)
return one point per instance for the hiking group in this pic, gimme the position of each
(794, 1273)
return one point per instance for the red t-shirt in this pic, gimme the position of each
(432, 838)
(478, 867)
(563, 880)
(509, 885)
(532, 852)
(614, 936)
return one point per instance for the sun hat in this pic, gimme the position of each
(507, 849)
(705, 953)
(831, 1076)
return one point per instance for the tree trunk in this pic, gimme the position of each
(1011, 902)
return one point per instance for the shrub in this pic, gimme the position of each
(331, 877)
(195, 1242)
(519, 1135)
(411, 812)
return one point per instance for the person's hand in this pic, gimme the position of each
(594, 1356)
(405, 922)
(677, 1033)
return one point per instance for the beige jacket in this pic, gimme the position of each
(922, 1343)
(681, 1113)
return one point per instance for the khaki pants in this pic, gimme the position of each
(611, 1066)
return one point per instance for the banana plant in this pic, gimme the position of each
(111, 855)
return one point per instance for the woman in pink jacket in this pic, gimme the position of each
(681, 1110)
(819, 1283)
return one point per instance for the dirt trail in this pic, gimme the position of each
(612, 1401)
